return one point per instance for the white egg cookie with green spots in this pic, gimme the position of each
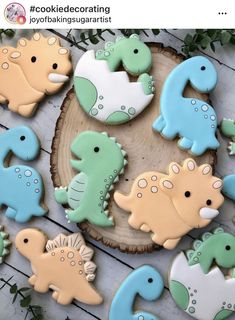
(107, 94)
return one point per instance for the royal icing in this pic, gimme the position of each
(229, 186)
(65, 266)
(21, 187)
(144, 281)
(36, 67)
(193, 120)
(197, 283)
(4, 244)
(169, 206)
(228, 130)
(102, 161)
(107, 94)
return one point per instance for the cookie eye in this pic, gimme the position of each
(203, 68)
(96, 149)
(228, 248)
(136, 51)
(55, 66)
(26, 240)
(209, 202)
(187, 194)
(150, 280)
(33, 59)
(22, 138)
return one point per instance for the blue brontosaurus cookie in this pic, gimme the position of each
(144, 281)
(21, 187)
(193, 120)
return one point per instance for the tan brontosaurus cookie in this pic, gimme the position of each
(169, 206)
(30, 71)
(65, 266)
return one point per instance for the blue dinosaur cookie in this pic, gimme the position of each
(193, 120)
(144, 281)
(21, 187)
(107, 94)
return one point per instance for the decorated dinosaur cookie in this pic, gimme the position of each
(34, 68)
(144, 281)
(197, 283)
(227, 128)
(102, 161)
(4, 244)
(193, 120)
(107, 94)
(21, 187)
(65, 266)
(229, 186)
(169, 206)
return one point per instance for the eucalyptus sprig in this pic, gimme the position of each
(32, 312)
(207, 38)
(9, 33)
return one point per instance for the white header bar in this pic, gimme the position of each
(117, 14)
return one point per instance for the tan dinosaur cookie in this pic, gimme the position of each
(65, 267)
(169, 206)
(30, 71)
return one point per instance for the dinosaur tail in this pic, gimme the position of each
(122, 201)
(229, 186)
(89, 296)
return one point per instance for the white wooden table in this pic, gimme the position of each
(113, 266)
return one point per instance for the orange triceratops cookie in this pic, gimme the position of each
(65, 267)
(171, 205)
(33, 69)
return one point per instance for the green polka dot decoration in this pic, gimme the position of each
(4, 244)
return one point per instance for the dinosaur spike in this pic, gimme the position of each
(1, 260)
(197, 244)
(107, 196)
(113, 138)
(3, 235)
(89, 267)
(6, 243)
(86, 253)
(122, 171)
(108, 45)
(50, 246)
(189, 254)
(218, 230)
(119, 38)
(5, 252)
(75, 241)
(106, 212)
(124, 153)
(90, 277)
(116, 179)
(105, 203)
(60, 241)
(125, 162)
(105, 133)
(111, 219)
(111, 187)
(1, 228)
(119, 145)
(206, 235)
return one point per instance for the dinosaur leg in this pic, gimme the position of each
(61, 195)
(23, 216)
(159, 124)
(185, 143)
(157, 239)
(101, 219)
(62, 297)
(75, 215)
(180, 294)
(134, 222)
(228, 128)
(169, 132)
(171, 243)
(198, 149)
(11, 213)
(27, 110)
(32, 280)
(223, 314)
(41, 285)
(3, 99)
(145, 228)
(147, 83)
(118, 117)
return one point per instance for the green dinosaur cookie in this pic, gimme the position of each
(102, 161)
(4, 244)
(227, 128)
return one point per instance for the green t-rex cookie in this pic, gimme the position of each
(227, 128)
(106, 93)
(102, 161)
(197, 282)
(4, 244)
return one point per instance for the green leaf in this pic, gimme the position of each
(211, 32)
(225, 37)
(193, 47)
(232, 40)
(212, 46)
(205, 42)
(24, 289)
(25, 302)
(155, 31)
(83, 38)
(199, 31)
(188, 39)
(37, 317)
(13, 289)
(14, 298)
(92, 37)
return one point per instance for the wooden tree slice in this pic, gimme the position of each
(146, 151)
